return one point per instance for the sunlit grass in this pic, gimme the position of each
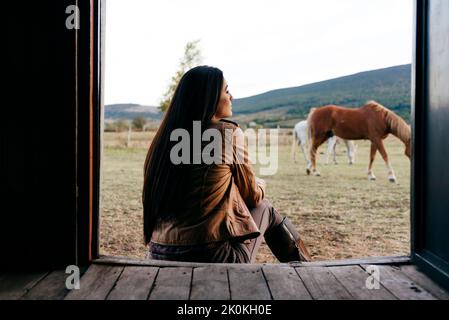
(340, 214)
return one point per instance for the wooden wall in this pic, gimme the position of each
(38, 138)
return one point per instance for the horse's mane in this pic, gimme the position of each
(397, 125)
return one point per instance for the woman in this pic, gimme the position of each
(202, 211)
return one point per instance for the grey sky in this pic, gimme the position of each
(260, 45)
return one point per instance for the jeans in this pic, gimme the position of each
(229, 251)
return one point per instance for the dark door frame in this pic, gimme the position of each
(431, 264)
(90, 43)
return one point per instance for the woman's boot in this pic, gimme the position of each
(285, 243)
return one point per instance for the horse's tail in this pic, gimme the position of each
(309, 126)
(311, 111)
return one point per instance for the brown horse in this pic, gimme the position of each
(371, 121)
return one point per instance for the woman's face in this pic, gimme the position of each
(224, 108)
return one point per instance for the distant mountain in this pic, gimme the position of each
(390, 87)
(130, 111)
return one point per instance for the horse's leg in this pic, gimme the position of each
(303, 146)
(316, 142)
(334, 151)
(350, 150)
(383, 152)
(295, 141)
(371, 175)
(309, 163)
(329, 149)
(354, 150)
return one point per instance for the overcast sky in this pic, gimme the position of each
(260, 45)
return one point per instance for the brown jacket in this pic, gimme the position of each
(216, 204)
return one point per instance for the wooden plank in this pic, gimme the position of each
(52, 287)
(425, 282)
(354, 278)
(350, 262)
(400, 285)
(210, 283)
(124, 261)
(322, 284)
(248, 283)
(108, 260)
(285, 284)
(172, 284)
(15, 285)
(134, 283)
(96, 283)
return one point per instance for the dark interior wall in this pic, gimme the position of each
(437, 137)
(37, 146)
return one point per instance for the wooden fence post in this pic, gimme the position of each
(128, 142)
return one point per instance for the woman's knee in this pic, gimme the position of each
(266, 209)
(265, 203)
(262, 207)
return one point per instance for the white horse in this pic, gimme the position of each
(301, 138)
(351, 148)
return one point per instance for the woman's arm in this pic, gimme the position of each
(252, 189)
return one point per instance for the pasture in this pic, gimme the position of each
(340, 214)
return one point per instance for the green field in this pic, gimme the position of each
(340, 214)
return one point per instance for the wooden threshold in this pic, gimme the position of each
(125, 261)
(104, 281)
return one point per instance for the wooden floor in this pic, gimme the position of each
(115, 278)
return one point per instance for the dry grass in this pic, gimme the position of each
(340, 214)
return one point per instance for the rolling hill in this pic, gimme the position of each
(129, 111)
(389, 86)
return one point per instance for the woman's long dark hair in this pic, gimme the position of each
(195, 99)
